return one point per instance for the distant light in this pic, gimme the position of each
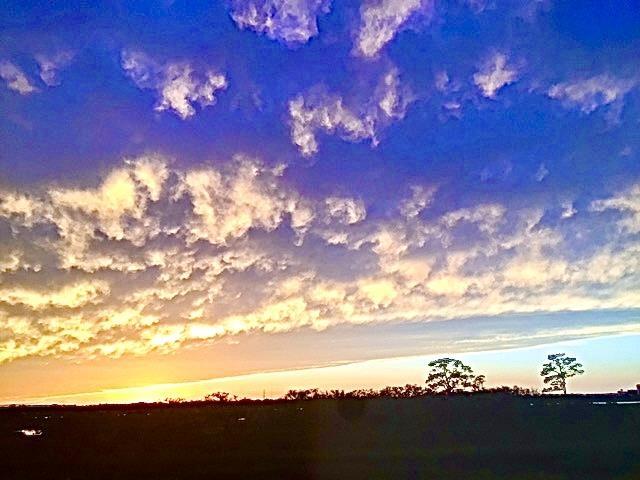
(30, 433)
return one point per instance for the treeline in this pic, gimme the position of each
(446, 376)
(407, 391)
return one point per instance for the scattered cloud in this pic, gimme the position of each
(16, 79)
(178, 85)
(591, 93)
(421, 197)
(393, 98)
(50, 65)
(381, 20)
(290, 21)
(495, 74)
(346, 210)
(568, 210)
(627, 203)
(319, 110)
(328, 113)
(541, 173)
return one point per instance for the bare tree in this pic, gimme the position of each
(556, 371)
(449, 375)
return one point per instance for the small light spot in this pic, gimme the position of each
(30, 432)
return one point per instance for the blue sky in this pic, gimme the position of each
(202, 185)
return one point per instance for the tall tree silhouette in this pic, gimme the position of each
(557, 370)
(449, 375)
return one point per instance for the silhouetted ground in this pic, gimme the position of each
(479, 437)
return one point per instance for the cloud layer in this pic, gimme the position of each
(155, 257)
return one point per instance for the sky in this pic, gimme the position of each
(263, 194)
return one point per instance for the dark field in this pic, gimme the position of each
(480, 437)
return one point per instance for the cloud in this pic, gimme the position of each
(226, 207)
(290, 21)
(421, 197)
(136, 202)
(495, 74)
(302, 217)
(541, 173)
(319, 110)
(627, 203)
(154, 258)
(70, 296)
(11, 261)
(392, 97)
(16, 79)
(380, 292)
(568, 210)
(328, 113)
(50, 65)
(346, 210)
(591, 93)
(177, 84)
(115, 210)
(381, 20)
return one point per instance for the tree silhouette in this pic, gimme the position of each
(449, 375)
(220, 397)
(557, 370)
(478, 383)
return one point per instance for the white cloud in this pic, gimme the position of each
(319, 110)
(591, 93)
(177, 84)
(69, 296)
(227, 205)
(420, 198)
(381, 20)
(10, 261)
(627, 203)
(302, 217)
(392, 97)
(154, 257)
(50, 65)
(495, 74)
(115, 209)
(346, 210)
(568, 210)
(327, 113)
(16, 79)
(290, 21)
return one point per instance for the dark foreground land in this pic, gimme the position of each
(479, 437)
